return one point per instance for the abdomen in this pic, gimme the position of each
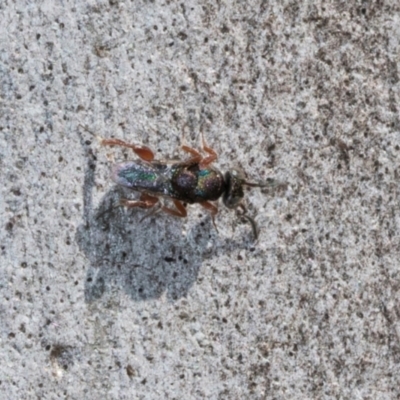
(141, 176)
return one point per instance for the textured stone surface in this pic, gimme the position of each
(95, 304)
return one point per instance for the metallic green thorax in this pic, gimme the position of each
(194, 185)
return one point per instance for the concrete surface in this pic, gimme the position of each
(95, 304)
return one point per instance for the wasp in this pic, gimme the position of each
(193, 180)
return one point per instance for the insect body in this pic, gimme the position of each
(190, 181)
(181, 181)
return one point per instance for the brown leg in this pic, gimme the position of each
(211, 158)
(212, 209)
(196, 156)
(146, 201)
(142, 151)
(179, 212)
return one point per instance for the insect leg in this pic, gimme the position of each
(180, 210)
(146, 201)
(212, 209)
(196, 156)
(209, 159)
(154, 210)
(142, 151)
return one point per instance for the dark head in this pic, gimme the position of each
(234, 193)
(234, 189)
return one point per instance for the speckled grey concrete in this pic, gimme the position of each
(95, 304)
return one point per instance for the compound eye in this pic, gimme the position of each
(234, 191)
